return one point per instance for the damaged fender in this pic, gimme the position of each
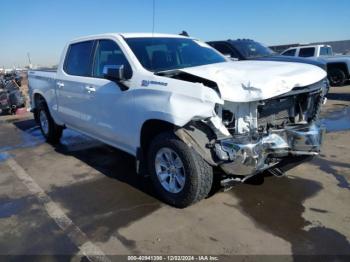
(200, 137)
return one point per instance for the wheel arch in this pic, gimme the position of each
(37, 98)
(152, 128)
(341, 65)
(194, 134)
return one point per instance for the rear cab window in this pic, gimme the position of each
(307, 52)
(78, 59)
(325, 51)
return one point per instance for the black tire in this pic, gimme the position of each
(198, 173)
(336, 77)
(54, 131)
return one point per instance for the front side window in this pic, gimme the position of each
(160, 54)
(307, 52)
(290, 52)
(109, 53)
(78, 60)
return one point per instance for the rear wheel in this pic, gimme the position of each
(180, 176)
(336, 77)
(50, 130)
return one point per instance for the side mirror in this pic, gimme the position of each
(114, 72)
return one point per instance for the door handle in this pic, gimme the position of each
(60, 84)
(90, 89)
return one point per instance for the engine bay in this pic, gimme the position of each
(300, 106)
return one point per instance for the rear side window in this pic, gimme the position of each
(290, 52)
(78, 60)
(307, 52)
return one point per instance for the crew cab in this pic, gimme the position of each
(182, 109)
(338, 66)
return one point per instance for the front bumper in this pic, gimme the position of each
(250, 154)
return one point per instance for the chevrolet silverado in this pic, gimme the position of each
(182, 109)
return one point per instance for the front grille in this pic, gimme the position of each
(275, 112)
(301, 107)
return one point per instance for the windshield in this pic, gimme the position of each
(252, 49)
(161, 54)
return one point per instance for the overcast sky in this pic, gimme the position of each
(42, 27)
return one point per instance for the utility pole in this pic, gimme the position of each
(30, 62)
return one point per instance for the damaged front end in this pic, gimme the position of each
(247, 138)
(248, 155)
(266, 132)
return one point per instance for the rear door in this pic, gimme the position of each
(72, 83)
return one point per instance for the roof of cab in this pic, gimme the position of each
(127, 35)
(307, 46)
(136, 35)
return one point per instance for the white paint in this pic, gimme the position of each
(87, 248)
(247, 81)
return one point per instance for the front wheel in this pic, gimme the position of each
(50, 130)
(180, 176)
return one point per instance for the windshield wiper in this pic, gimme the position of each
(171, 72)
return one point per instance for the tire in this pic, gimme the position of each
(336, 77)
(50, 130)
(197, 174)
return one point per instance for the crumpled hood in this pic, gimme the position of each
(247, 81)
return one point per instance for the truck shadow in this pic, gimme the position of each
(109, 161)
(277, 207)
(103, 205)
(338, 96)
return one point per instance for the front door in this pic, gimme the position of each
(108, 105)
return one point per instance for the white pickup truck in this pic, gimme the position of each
(338, 66)
(182, 109)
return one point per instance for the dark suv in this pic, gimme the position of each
(247, 49)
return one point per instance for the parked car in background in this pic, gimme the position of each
(13, 76)
(11, 97)
(247, 49)
(182, 109)
(338, 66)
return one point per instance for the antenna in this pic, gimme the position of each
(154, 15)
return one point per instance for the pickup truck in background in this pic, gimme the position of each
(338, 66)
(182, 109)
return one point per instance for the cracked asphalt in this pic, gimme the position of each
(97, 189)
